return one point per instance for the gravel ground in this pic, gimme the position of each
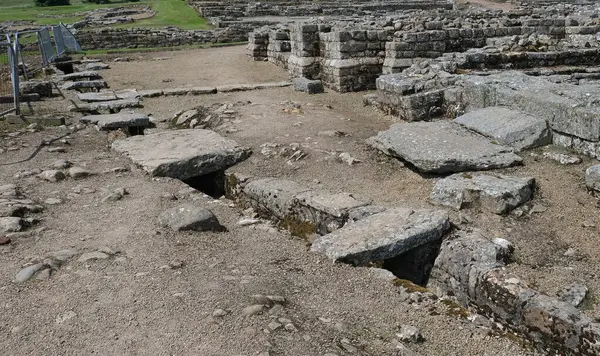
(128, 304)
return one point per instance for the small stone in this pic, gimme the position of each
(190, 217)
(274, 325)
(96, 255)
(348, 159)
(60, 164)
(168, 196)
(17, 330)
(78, 172)
(4, 240)
(52, 175)
(562, 158)
(290, 327)
(409, 334)
(53, 201)
(26, 273)
(537, 209)
(276, 310)
(63, 255)
(175, 264)
(276, 299)
(253, 310)
(112, 197)
(121, 191)
(570, 252)
(66, 316)
(248, 221)
(10, 224)
(218, 313)
(56, 149)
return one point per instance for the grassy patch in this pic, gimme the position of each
(168, 13)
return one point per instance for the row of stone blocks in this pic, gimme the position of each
(469, 265)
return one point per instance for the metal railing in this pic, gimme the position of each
(51, 43)
(9, 79)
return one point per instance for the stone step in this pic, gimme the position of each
(182, 154)
(383, 236)
(106, 106)
(508, 127)
(117, 121)
(443, 147)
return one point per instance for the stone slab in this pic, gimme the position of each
(508, 127)
(496, 193)
(88, 74)
(92, 84)
(383, 236)
(273, 196)
(109, 106)
(109, 95)
(308, 86)
(246, 87)
(115, 121)
(443, 147)
(182, 154)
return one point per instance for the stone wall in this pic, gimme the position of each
(109, 38)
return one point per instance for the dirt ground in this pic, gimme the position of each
(133, 303)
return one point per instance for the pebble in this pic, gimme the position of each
(96, 255)
(348, 159)
(276, 310)
(78, 172)
(112, 197)
(253, 310)
(26, 273)
(53, 201)
(290, 327)
(57, 149)
(52, 175)
(277, 299)
(248, 221)
(219, 313)
(63, 255)
(44, 274)
(409, 333)
(274, 325)
(17, 329)
(60, 164)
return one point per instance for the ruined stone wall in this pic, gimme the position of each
(109, 38)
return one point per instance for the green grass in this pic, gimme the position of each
(168, 13)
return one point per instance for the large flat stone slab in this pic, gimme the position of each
(88, 74)
(496, 193)
(91, 84)
(443, 147)
(109, 95)
(182, 154)
(383, 236)
(508, 127)
(116, 121)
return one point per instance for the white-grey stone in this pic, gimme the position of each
(574, 294)
(52, 175)
(409, 333)
(26, 273)
(442, 147)
(253, 310)
(182, 154)
(53, 201)
(493, 192)
(383, 236)
(308, 86)
(79, 172)
(188, 217)
(592, 177)
(60, 164)
(116, 121)
(108, 95)
(106, 106)
(508, 127)
(80, 75)
(10, 224)
(274, 195)
(96, 66)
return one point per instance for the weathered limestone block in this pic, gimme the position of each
(90, 75)
(182, 154)
(496, 193)
(117, 121)
(442, 147)
(106, 106)
(508, 127)
(308, 86)
(326, 211)
(383, 236)
(189, 217)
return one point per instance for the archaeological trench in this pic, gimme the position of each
(472, 92)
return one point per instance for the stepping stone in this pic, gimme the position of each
(383, 236)
(443, 147)
(109, 95)
(182, 154)
(496, 193)
(508, 127)
(106, 106)
(97, 66)
(117, 121)
(91, 84)
(246, 87)
(91, 75)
